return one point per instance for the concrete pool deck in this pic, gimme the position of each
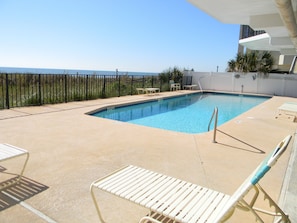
(69, 150)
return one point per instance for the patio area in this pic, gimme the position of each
(69, 150)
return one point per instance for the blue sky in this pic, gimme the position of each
(128, 35)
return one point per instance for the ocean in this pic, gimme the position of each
(69, 71)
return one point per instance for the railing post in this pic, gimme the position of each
(131, 91)
(119, 86)
(143, 81)
(214, 115)
(87, 86)
(152, 81)
(103, 88)
(215, 127)
(200, 85)
(39, 88)
(7, 91)
(65, 89)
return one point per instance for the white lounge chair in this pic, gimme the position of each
(140, 90)
(152, 90)
(288, 110)
(174, 86)
(182, 201)
(9, 152)
(190, 87)
(187, 83)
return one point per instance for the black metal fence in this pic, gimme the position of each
(17, 90)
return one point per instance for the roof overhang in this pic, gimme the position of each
(266, 43)
(259, 15)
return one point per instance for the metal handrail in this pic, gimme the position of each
(214, 114)
(200, 85)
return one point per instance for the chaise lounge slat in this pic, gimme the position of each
(183, 201)
(8, 152)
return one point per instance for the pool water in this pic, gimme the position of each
(188, 114)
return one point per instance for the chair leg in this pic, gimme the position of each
(22, 172)
(96, 204)
(148, 218)
(16, 181)
(278, 211)
(247, 207)
(279, 215)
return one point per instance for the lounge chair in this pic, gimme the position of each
(174, 86)
(190, 87)
(152, 90)
(9, 152)
(140, 90)
(182, 201)
(187, 83)
(288, 110)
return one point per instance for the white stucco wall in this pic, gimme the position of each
(272, 84)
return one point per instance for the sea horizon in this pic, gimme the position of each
(24, 70)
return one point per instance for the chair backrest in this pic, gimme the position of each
(187, 80)
(270, 160)
(256, 176)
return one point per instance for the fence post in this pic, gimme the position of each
(7, 91)
(152, 81)
(131, 85)
(143, 81)
(103, 88)
(119, 86)
(39, 88)
(87, 86)
(65, 89)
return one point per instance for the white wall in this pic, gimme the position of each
(272, 84)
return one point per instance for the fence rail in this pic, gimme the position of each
(17, 90)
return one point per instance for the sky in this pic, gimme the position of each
(128, 35)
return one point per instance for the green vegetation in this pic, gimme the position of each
(253, 61)
(174, 74)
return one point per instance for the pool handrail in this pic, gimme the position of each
(214, 115)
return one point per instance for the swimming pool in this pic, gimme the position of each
(189, 113)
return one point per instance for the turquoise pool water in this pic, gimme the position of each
(188, 114)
